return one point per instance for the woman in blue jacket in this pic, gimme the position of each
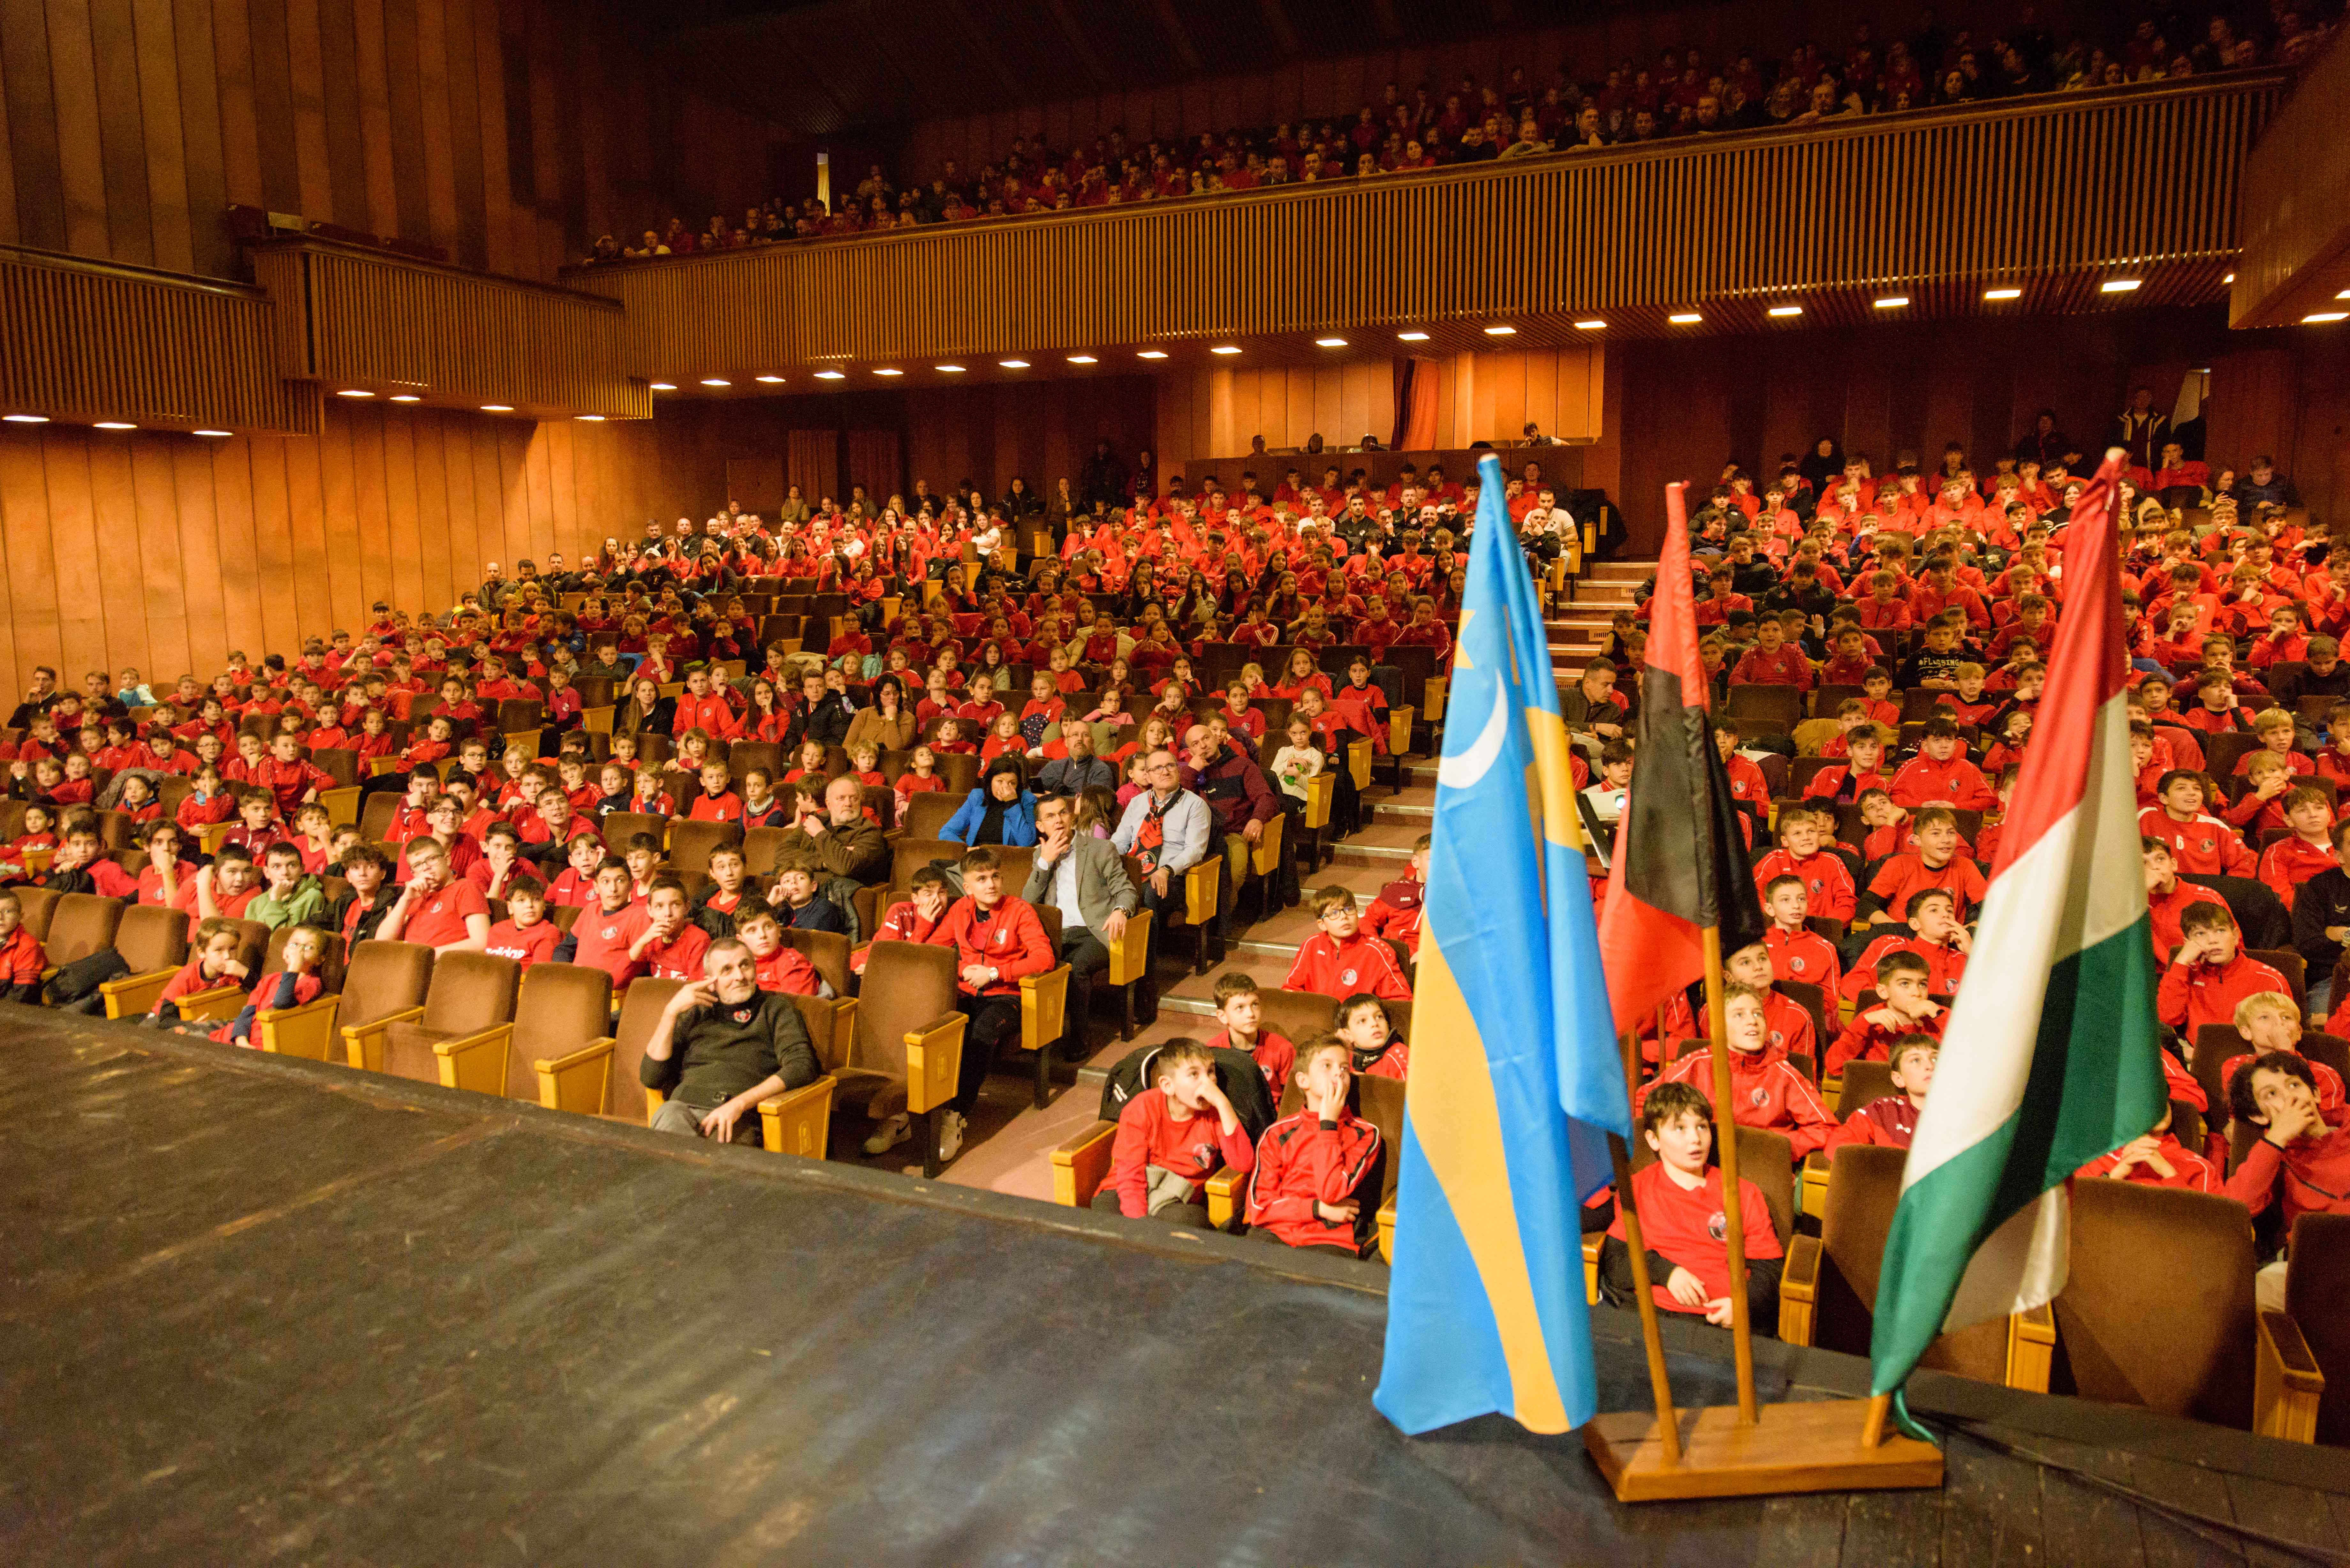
(1000, 811)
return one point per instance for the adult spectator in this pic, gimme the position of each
(1085, 878)
(1000, 811)
(39, 698)
(2140, 431)
(722, 1047)
(1080, 770)
(888, 725)
(2043, 443)
(1167, 827)
(1236, 793)
(1103, 478)
(843, 839)
(822, 715)
(2265, 486)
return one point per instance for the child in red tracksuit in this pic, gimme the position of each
(1361, 1024)
(1241, 1009)
(1340, 960)
(1798, 952)
(1316, 1178)
(2208, 976)
(1680, 1199)
(2158, 1159)
(1906, 1009)
(998, 940)
(1890, 1121)
(911, 920)
(1802, 853)
(1934, 934)
(296, 985)
(1395, 913)
(1171, 1138)
(1768, 1091)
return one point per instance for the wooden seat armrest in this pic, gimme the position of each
(2286, 1382)
(1204, 889)
(1081, 1165)
(1358, 762)
(1130, 956)
(1431, 697)
(1386, 1222)
(934, 1062)
(1814, 1185)
(308, 1031)
(1044, 1008)
(1320, 791)
(217, 1005)
(1226, 1194)
(363, 1043)
(799, 1121)
(475, 1062)
(580, 1082)
(1399, 728)
(135, 995)
(2030, 1347)
(1799, 1289)
(1265, 859)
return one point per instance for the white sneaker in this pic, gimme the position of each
(950, 1129)
(888, 1135)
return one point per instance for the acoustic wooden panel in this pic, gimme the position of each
(350, 316)
(2050, 187)
(2296, 203)
(165, 551)
(101, 341)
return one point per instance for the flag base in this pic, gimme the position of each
(1815, 1445)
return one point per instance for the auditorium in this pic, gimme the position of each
(738, 732)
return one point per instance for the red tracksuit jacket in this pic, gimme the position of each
(1765, 1093)
(1303, 1160)
(1194, 1149)
(1363, 962)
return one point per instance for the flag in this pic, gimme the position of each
(1515, 1080)
(2050, 1057)
(1681, 861)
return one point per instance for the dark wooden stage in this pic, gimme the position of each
(260, 1310)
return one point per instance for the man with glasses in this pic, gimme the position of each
(1165, 827)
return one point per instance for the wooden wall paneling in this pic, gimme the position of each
(306, 510)
(196, 508)
(371, 509)
(540, 40)
(239, 105)
(527, 460)
(114, 543)
(346, 570)
(343, 114)
(34, 634)
(306, 96)
(75, 580)
(405, 104)
(382, 147)
(163, 583)
(498, 187)
(273, 565)
(493, 502)
(238, 551)
(33, 152)
(8, 235)
(273, 104)
(163, 137)
(465, 504)
(81, 158)
(399, 505)
(563, 484)
(13, 677)
(122, 136)
(203, 123)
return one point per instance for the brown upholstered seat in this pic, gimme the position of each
(1296, 1015)
(623, 826)
(34, 906)
(929, 812)
(79, 925)
(150, 936)
(382, 977)
(828, 951)
(560, 1007)
(469, 992)
(691, 842)
(2317, 1287)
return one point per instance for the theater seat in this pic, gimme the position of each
(691, 842)
(907, 1050)
(600, 1076)
(470, 992)
(2315, 1289)
(558, 1006)
(1378, 1101)
(1764, 1158)
(929, 812)
(1044, 1008)
(35, 907)
(152, 942)
(222, 1003)
(1862, 1082)
(79, 925)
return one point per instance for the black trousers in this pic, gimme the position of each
(1086, 957)
(993, 1021)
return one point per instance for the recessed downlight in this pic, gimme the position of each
(1501, 331)
(716, 381)
(1083, 360)
(772, 380)
(406, 398)
(2002, 294)
(590, 419)
(1329, 343)
(1786, 310)
(832, 375)
(2318, 318)
(354, 392)
(1225, 348)
(664, 386)
(115, 425)
(2118, 284)
(497, 407)
(208, 432)
(887, 371)
(951, 370)
(26, 419)
(1013, 364)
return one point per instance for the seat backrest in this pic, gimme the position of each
(2315, 1287)
(330, 961)
(960, 771)
(2145, 1255)
(1768, 1161)
(375, 817)
(1862, 1082)
(1292, 1015)
(1814, 1000)
(2290, 964)
(914, 852)
(36, 905)
(2330, 1049)
(252, 943)
(691, 842)
(761, 847)
(80, 925)
(827, 951)
(381, 978)
(470, 993)
(562, 1006)
(623, 826)
(640, 1014)
(152, 937)
(1379, 1101)
(906, 985)
(2215, 1044)
(927, 813)
(744, 755)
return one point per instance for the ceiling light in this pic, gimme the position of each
(832, 375)
(1329, 343)
(1786, 310)
(591, 418)
(2002, 294)
(1413, 336)
(772, 380)
(664, 386)
(951, 370)
(1013, 364)
(1083, 360)
(1892, 301)
(1152, 354)
(1593, 324)
(2118, 286)
(115, 425)
(1501, 331)
(1224, 349)
(497, 407)
(887, 371)
(208, 432)
(353, 393)
(2322, 317)
(26, 419)
(1685, 318)
(2229, 278)
(716, 381)
(406, 398)
(2344, 295)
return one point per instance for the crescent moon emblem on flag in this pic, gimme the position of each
(1463, 771)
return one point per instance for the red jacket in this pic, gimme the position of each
(1193, 1149)
(1944, 965)
(1787, 666)
(1765, 1092)
(1863, 1041)
(1889, 1121)
(2293, 860)
(1396, 913)
(1686, 1226)
(1275, 1055)
(1805, 956)
(711, 713)
(1826, 877)
(1363, 962)
(2194, 994)
(1302, 1161)
(1009, 937)
(2189, 1170)
(2203, 846)
(2315, 1173)
(1958, 781)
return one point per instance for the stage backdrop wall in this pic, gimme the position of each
(165, 551)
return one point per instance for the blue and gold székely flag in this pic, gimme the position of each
(1515, 1080)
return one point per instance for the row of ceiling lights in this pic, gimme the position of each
(486, 408)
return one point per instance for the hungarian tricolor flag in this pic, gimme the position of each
(1680, 862)
(2051, 1057)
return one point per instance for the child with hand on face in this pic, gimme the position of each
(1172, 1138)
(296, 985)
(1317, 1177)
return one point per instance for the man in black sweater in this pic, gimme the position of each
(722, 1047)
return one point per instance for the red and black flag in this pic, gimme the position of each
(1681, 861)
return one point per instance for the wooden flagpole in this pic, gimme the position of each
(1725, 1143)
(1651, 1335)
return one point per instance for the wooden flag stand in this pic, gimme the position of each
(1831, 1445)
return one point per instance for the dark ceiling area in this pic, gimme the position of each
(822, 68)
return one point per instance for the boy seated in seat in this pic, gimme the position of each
(1362, 1021)
(1239, 1008)
(912, 919)
(1172, 1138)
(296, 985)
(1769, 1092)
(2303, 1157)
(1803, 853)
(2208, 974)
(1907, 1007)
(798, 901)
(2157, 1158)
(1798, 952)
(21, 959)
(525, 935)
(1395, 913)
(211, 961)
(1939, 861)
(1934, 934)
(1890, 1121)
(1340, 960)
(1680, 1200)
(1316, 1182)
(782, 967)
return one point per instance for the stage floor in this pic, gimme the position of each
(266, 1310)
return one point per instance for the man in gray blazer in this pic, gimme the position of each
(1085, 878)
